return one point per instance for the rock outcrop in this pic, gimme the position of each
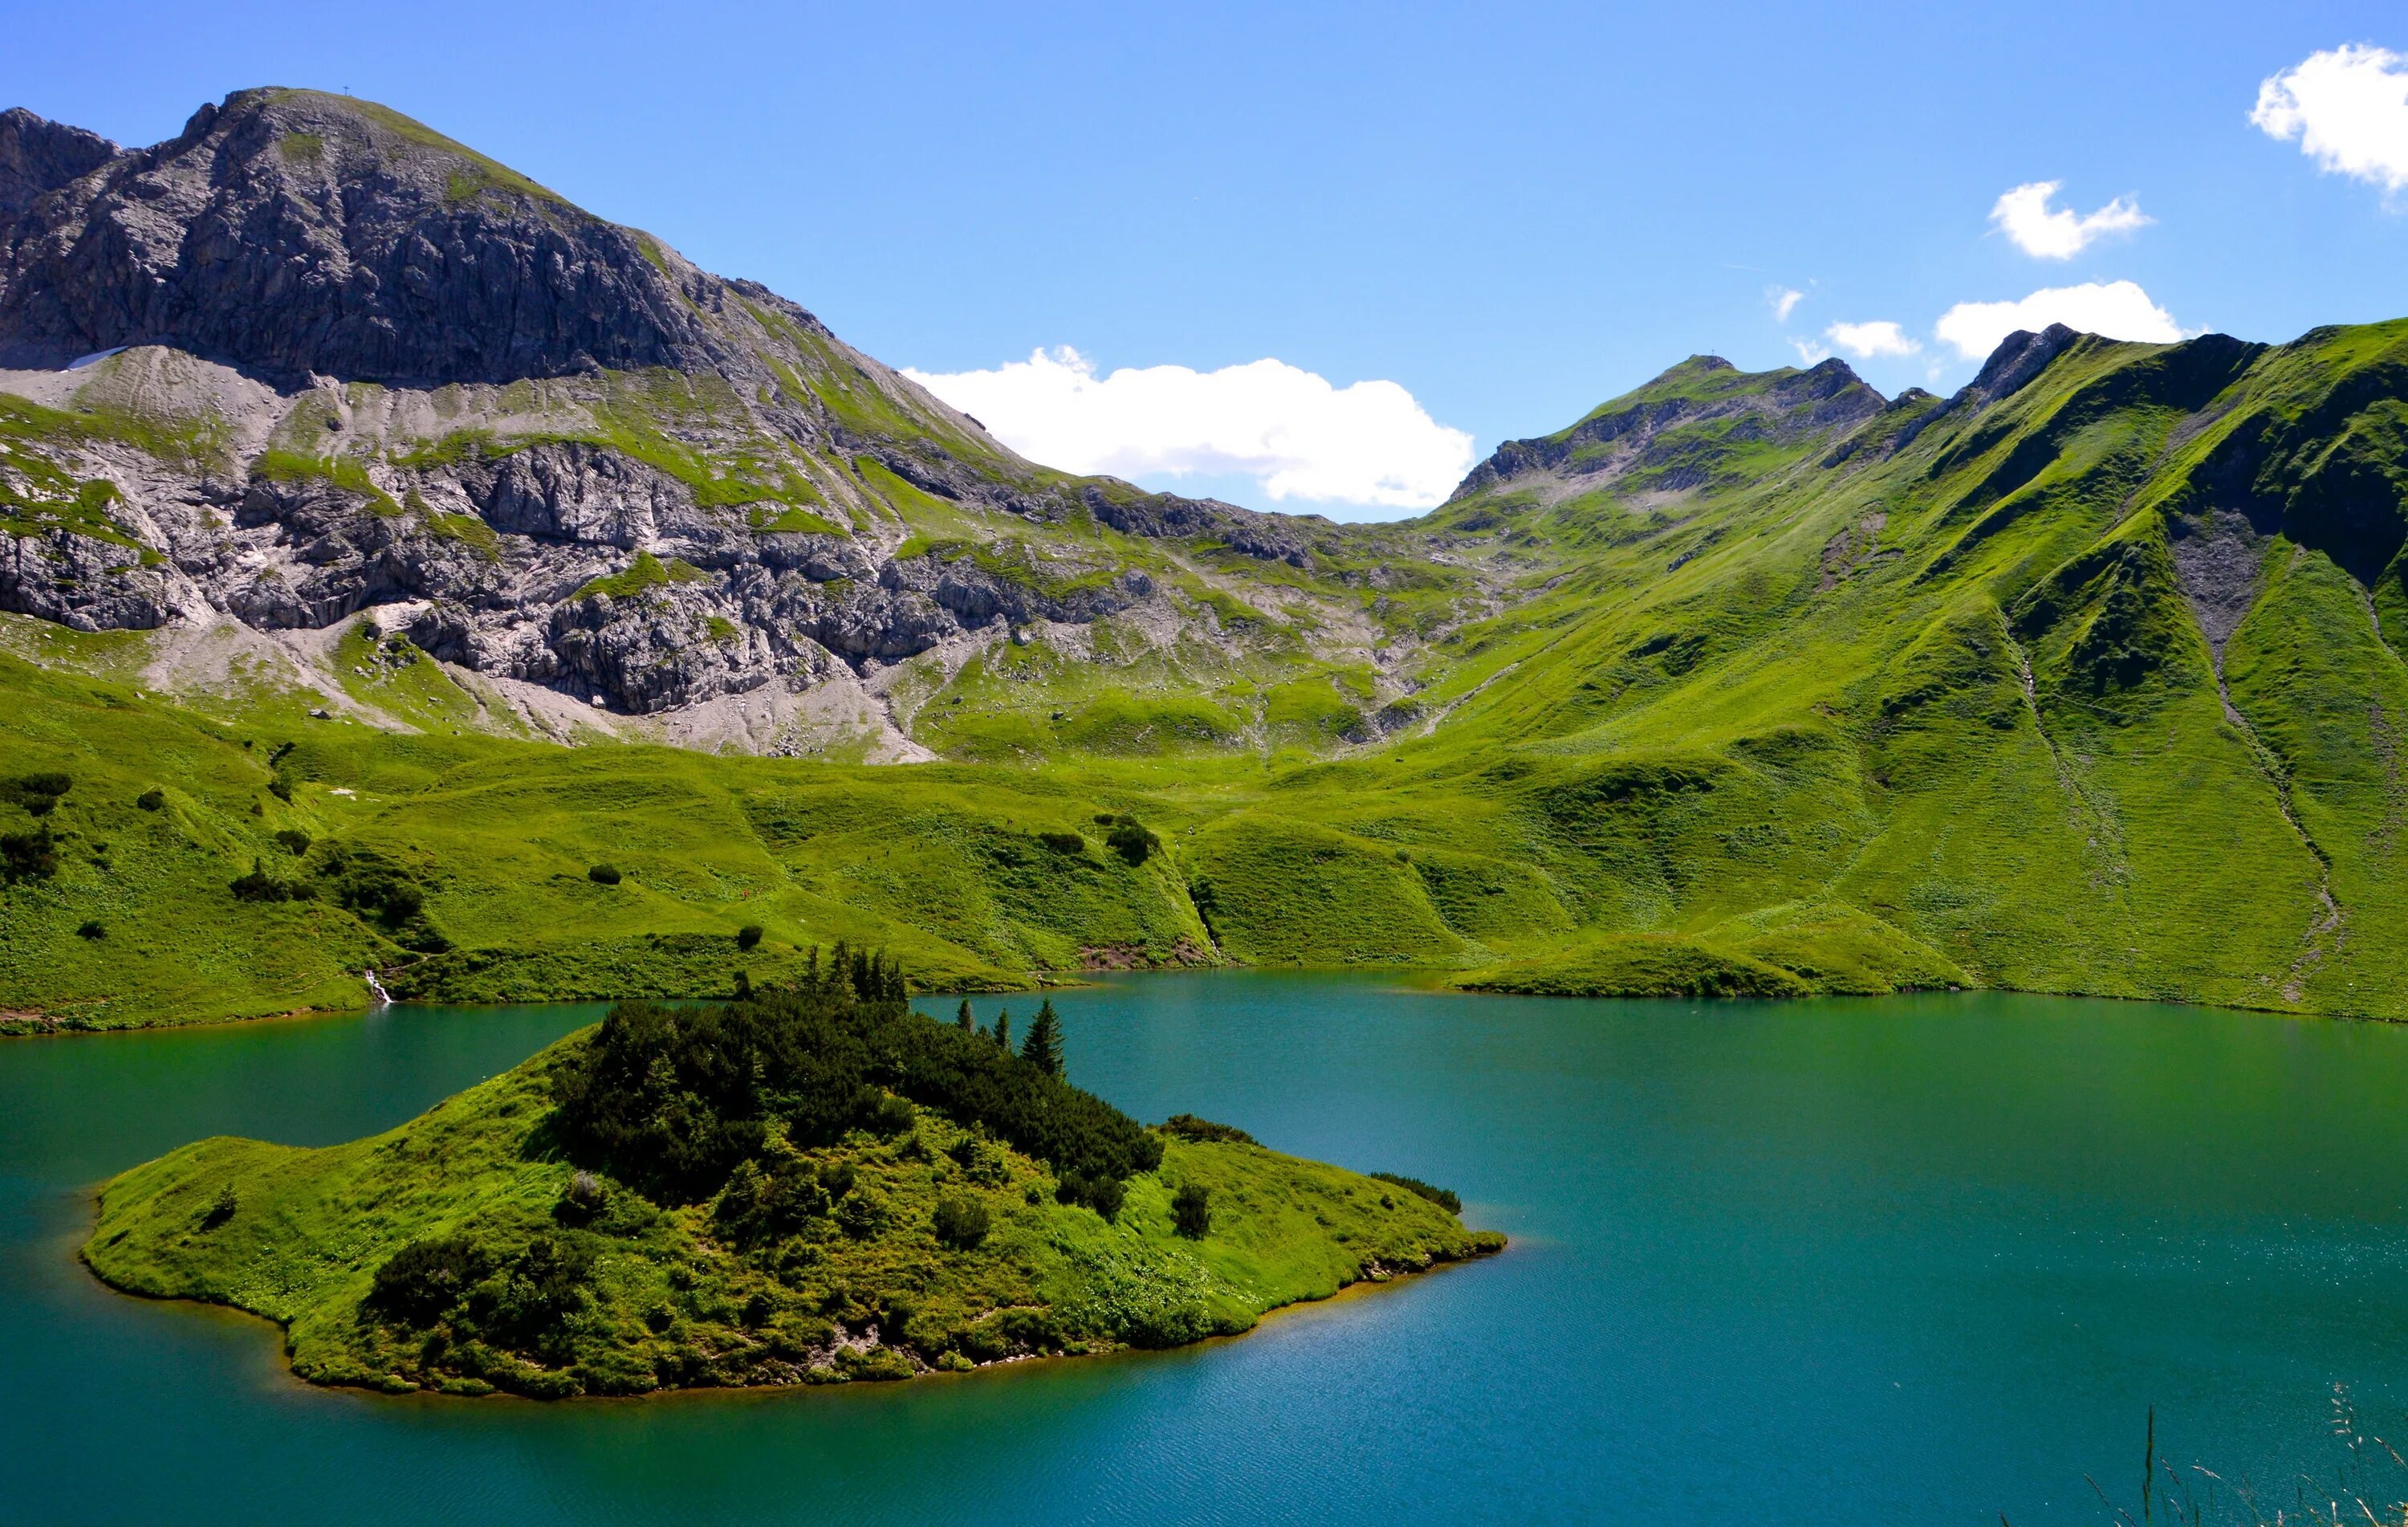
(311, 357)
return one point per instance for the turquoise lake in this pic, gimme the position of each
(1928, 1259)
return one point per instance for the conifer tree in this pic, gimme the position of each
(963, 1019)
(1043, 1048)
(1002, 1035)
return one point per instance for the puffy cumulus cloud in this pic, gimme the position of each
(1785, 300)
(1867, 341)
(1291, 430)
(2118, 310)
(1809, 352)
(2056, 233)
(2348, 108)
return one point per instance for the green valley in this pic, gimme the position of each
(2087, 679)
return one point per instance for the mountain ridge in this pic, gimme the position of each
(2087, 678)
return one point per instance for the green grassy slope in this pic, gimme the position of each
(867, 1290)
(1900, 694)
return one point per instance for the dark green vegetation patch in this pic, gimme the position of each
(804, 1186)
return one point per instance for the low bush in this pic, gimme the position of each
(1063, 843)
(519, 1302)
(37, 794)
(1130, 839)
(602, 874)
(150, 801)
(28, 856)
(420, 1282)
(1188, 1126)
(582, 1200)
(1191, 1211)
(758, 1207)
(961, 1222)
(365, 882)
(295, 842)
(749, 936)
(259, 886)
(1104, 1195)
(1444, 1197)
(91, 930)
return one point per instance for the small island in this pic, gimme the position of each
(802, 1185)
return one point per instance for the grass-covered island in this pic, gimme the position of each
(806, 1185)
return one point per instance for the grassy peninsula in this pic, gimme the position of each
(810, 1185)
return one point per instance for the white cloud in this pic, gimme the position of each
(2118, 310)
(1867, 341)
(2348, 108)
(1297, 435)
(2024, 215)
(1785, 300)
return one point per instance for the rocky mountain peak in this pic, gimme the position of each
(37, 156)
(1645, 432)
(289, 232)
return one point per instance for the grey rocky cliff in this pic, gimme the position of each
(349, 363)
(289, 232)
(39, 156)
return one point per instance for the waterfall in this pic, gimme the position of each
(383, 998)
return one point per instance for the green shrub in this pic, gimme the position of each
(582, 1200)
(37, 794)
(1063, 843)
(417, 1284)
(1191, 1211)
(961, 1222)
(670, 1100)
(1131, 841)
(981, 1161)
(983, 1341)
(28, 856)
(259, 886)
(1442, 1197)
(221, 1208)
(1104, 1195)
(602, 874)
(749, 936)
(295, 842)
(758, 1207)
(1188, 1126)
(152, 799)
(91, 930)
(863, 1213)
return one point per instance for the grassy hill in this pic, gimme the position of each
(858, 1231)
(2088, 678)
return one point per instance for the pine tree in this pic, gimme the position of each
(1002, 1035)
(963, 1019)
(1043, 1049)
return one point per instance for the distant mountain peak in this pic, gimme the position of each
(39, 156)
(1643, 430)
(292, 231)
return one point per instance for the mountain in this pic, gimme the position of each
(312, 358)
(2085, 678)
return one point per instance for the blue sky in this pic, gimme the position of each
(1509, 214)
